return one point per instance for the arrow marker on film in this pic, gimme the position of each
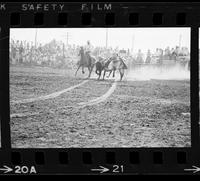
(101, 169)
(6, 169)
(194, 169)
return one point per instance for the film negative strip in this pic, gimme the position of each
(99, 88)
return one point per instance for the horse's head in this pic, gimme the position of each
(81, 51)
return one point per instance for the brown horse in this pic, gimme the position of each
(85, 61)
(100, 65)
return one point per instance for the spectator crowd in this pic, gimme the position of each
(57, 54)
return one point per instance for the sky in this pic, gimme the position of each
(124, 38)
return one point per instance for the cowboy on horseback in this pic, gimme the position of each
(88, 49)
(86, 60)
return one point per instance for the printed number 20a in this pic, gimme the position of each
(24, 170)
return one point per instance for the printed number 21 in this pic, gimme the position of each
(118, 168)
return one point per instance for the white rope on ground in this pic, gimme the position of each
(101, 98)
(80, 105)
(49, 96)
(19, 115)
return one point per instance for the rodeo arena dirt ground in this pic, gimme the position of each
(51, 108)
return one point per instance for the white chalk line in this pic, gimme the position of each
(101, 98)
(49, 96)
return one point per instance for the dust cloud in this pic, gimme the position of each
(165, 72)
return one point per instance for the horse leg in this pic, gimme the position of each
(99, 74)
(109, 73)
(89, 72)
(92, 69)
(113, 73)
(104, 74)
(121, 71)
(77, 69)
(83, 70)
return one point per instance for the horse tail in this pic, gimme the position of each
(98, 68)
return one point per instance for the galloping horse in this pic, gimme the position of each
(100, 65)
(85, 61)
